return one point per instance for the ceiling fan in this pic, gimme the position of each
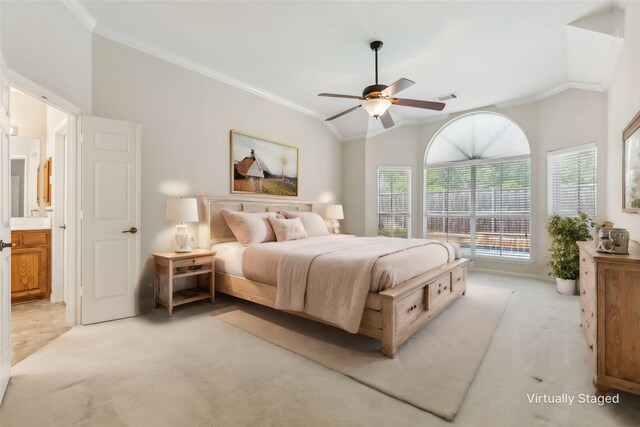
(378, 98)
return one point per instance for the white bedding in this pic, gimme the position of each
(229, 257)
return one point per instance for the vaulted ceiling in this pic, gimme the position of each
(485, 52)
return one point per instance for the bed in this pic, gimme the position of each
(405, 289)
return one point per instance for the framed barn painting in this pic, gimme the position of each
(631, 166)
(263, 167)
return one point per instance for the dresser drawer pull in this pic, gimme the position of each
(413, 307)
(591, 346)
(584, 291)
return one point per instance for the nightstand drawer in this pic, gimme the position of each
(193, 261)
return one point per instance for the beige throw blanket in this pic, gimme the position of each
(331, 281)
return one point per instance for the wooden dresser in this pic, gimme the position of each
(30, 265)
(610, 314)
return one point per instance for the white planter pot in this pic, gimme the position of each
(566, 286)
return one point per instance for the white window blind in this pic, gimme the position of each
(485, 206)
(572, 181)
(394, 201)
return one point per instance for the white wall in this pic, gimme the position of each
(46, 43)
(29, 115)
(623, 104)
(567, 119)
(186, 118)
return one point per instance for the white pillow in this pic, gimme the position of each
(313, 223)
(250, 227)
(288, 229)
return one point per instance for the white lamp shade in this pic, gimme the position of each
(377, 106)
(185, 210)
(335, 212)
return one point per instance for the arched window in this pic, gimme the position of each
(477, 186)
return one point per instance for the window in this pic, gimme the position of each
(477, 182)
(394, 201)
(572, 181)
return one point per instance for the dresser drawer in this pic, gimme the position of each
(439, 290)
(588, 313)
(411, 307)
(587, 274)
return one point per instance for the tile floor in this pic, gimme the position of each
(33, 325)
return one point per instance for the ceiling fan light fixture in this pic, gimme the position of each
(377, 106)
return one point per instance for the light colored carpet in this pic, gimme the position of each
(432, 370)
(193, 370)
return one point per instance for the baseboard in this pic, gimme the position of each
(512, 273)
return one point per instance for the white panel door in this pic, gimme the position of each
(5, 239)
(111, 219)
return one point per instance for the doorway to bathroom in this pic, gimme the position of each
(39, 190)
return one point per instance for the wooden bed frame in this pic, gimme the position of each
(405, 308)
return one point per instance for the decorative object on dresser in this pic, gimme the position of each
(631, 166)
(260, 166)
(335, 213)
(30, 265)
(613, 241)
(563, 253)
(610, 314)
(171, 265)
(183, 210)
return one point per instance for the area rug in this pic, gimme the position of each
(433, 370)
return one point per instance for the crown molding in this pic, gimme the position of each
(109, 33)
(90, 22)
(82, 13)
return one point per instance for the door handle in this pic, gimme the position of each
(63, 226)
(132, 230)
(6, 245)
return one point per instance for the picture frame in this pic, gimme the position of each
(631, 166)
(263, 167)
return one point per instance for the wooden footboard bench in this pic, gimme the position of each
(405, 308)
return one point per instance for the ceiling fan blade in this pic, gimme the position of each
(335, 95)
(387, 121)
(398, 86)
(343, 113)
(429, 105)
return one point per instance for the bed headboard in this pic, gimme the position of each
(212, 226)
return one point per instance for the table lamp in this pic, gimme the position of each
(183, 210)
(335, 213)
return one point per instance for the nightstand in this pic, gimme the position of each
(173, 265)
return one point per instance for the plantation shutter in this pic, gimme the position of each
(485, 207)
(502, 209)
(394, 201)
(447, 204)
(572, 181)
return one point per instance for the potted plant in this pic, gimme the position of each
(564, 255)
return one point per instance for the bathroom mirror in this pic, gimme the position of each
(25, 159)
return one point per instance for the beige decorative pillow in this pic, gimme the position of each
(313, 223)
(250, 228)
(288, 229)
